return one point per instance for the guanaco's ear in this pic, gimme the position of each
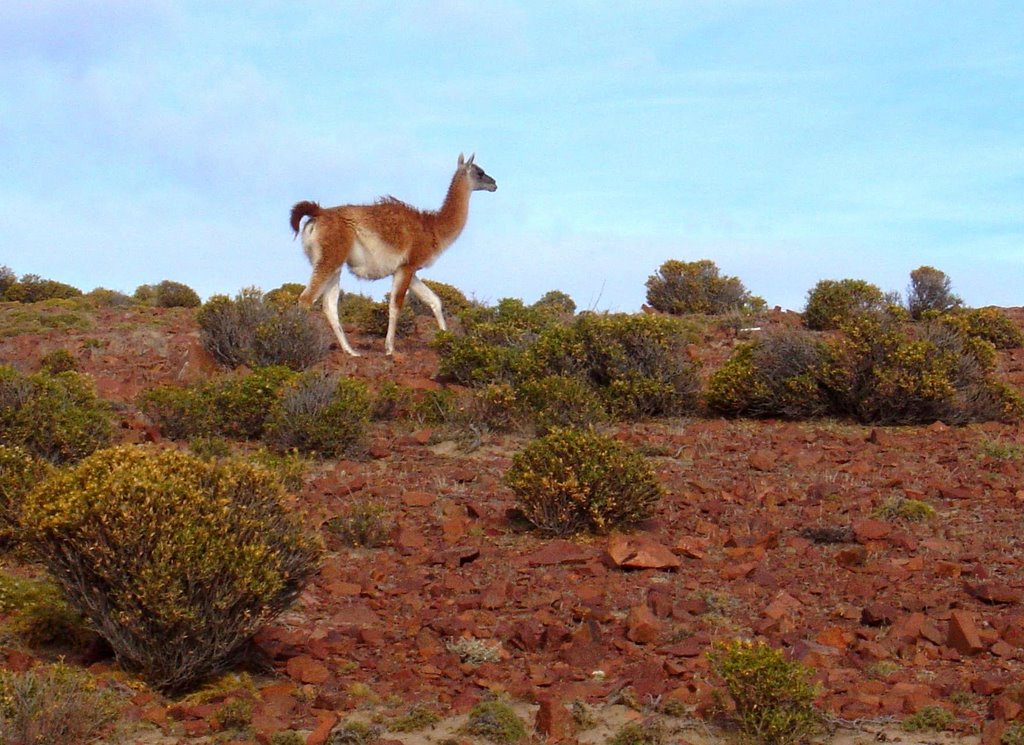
(461, 161)
(470, 161)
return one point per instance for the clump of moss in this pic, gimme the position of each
(416, 718)
(648, 732)
(774, 700)
(928, 719)
(571, 481)
(904, 508)
(175, 561)
(496, 722)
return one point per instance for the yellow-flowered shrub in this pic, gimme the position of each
(571, 481)
(19, 472)
(176, 561)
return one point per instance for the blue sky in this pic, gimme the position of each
(787, 141)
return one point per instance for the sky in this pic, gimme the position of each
(788, 141)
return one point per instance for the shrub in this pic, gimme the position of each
(53, 704)
(649, 732)
(416, 718)
(56, 417)
(243, 402)
(556, 301)
(7, 278)
(878, 373)
(773, 697)
(285, 295)
(903, 508)
(32, 288)
(833, 303)
(776, 375)
(181, 412)
(103, 298)
(362, 525)
(496, 405)
(930, 290)
(561, 401)
(40, 616)
(990, 324)
(928, 719)
(496, 722)
(354, 733)
(287, 737)
(571, 481)
(638, 363)
(57, 361)
(373, 318)
(474, 652)
(176, 561)
(319, 413)
(168, 294)
(251, 331)
(683, 287)
(19, 472)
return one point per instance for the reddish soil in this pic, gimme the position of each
(768, 529)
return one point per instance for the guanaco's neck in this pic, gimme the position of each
(451, 218)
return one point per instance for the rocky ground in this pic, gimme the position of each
(785, 531)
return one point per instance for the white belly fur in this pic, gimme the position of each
(372, 258)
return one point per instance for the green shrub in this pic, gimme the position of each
(175, 561)
(571, 481)
(287, 737)
(834, 303)
(56, 417)
(101, 297)
(233, 406)
(168, 294)
(371, 317)
(879, 372)
(496, 405)
(363, 525)
(1014, 734)
(7, 278)
(19, 472)
(638, 363)
(989, 324)
(32, 288)
(684, 287)
(902, 508)
(928, 719)
(235, 714)
(285, 295)
(649, 732)
(773, 697)
(53, 704)
(496, 722)
(930, 290)
(776, 375)
(556, 301)
(391, 401)
(319, 413)
(39, 615)
(416, 718)
(57, 361)
(354, 733)
(251, 331)
(560, 401)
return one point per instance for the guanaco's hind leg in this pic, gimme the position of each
(429, 298)
(331, 297)
(399, 285)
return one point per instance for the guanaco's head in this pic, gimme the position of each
(478, 180)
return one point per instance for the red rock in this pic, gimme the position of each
(418, 499)
(1006, 709)
(559, 552)
(871, 530)
(783, 604)
(305, 669)
(762, 460)
(495, 595)
(852, 556)
(993, 593)
(325, 723)
(642, 626)
(990, 684)
(963, 633)
(693, 646)
(196, 727)
(907, 628)
(410, 539)
(554, 721)
(1002, 649)
(640, 552)
(692, 547)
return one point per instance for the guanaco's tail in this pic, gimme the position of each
(303, 209)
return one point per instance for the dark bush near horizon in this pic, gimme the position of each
(32, 288)
(930, 290)
(685, 287)
(168, 294)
